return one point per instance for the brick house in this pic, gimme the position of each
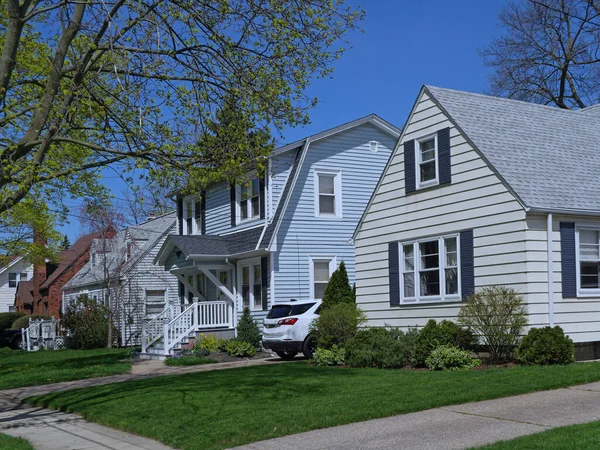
(43, 295)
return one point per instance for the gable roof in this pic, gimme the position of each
(147, 234)
(548, 156)
(70, 256)
(13, 260)
(25, 292)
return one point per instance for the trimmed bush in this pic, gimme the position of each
(544, 346)
(338, 289)
(240, 349)
(247, 329)
(497, 315)
(188, 360)
(335, 356)
(380, 347)
(336, 325)
(433, 335)
(8, 318)
(88, 321)
(449, 357)
(23, 322)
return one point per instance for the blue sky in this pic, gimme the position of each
(404, 44)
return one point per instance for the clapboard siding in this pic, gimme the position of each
(301, 234)
(579, 317)
(7, 294)
(476, 199)
(281, 166)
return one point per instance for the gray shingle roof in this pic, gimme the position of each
(550, 157)
(231, 244)
(146, 236)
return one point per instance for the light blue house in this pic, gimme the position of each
(274, 239)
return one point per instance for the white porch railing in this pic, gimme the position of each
(174, 325)
(40, 333)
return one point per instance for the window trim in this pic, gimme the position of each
(337, 192)
(250, 263)
(238, 201)
(311, 269)
(442, 298)
(186, 201)
(436, 180)
(583, 292)
(16, 280)
(166, 295)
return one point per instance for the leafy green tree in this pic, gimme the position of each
(65, 244)
(338, 290)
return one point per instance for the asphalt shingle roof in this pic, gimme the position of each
(550, 157)
(231, 244)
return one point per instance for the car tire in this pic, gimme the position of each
(287, 354)
(309, 346)
(16, 343)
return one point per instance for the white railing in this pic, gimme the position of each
(152, 331)
(40, 333)
(215, 314)
(173, 325)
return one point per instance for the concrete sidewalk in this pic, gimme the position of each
(454, 427)
(53, 430)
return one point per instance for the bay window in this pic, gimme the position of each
(429, 270)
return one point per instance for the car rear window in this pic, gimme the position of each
(279, 311)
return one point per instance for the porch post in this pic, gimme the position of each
(144, 336)
(166, 337)
(196, 323)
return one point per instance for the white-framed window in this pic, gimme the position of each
(427, 161)
(588, 259)
(321, 268)
(430, 269)
(251, 284)
(15, 277)
(155, 301)
(223, 276)
(188, 216)
(248, 200)
(328, 193)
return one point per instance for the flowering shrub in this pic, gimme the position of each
(449, 357)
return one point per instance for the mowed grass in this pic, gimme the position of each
(220, 409)
(11, 443)
(574, 437)
(19, 368)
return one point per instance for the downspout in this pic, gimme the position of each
(550, 272)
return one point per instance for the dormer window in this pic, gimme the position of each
(189, 217)
(249, 200)
(427, 162)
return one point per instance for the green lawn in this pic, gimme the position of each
(18, 368)
(574, 437)
(220, 409)
(11, 443)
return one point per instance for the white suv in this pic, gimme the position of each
(286, 328)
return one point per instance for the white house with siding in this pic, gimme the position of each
(486, 191)
(17, 269)
(277, 238)
(123, 267)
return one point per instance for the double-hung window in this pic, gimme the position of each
(589, 260)
(189, 217)
(427, 162)
(14, 278)
(252, 285)
(429, 270)
(249, 200)
(328, 193)
(321, 271)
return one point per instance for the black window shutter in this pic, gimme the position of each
(443, 138)
(409, 166)
(262, 190)
(467, 264)
(203, 213)
(394, 267)
(180, 214)
(233, 206)
(264, 273)
(568, 259)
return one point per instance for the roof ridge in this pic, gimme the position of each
(503, 99)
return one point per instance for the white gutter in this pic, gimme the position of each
(550, 272)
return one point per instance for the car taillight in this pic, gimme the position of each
(291, 321)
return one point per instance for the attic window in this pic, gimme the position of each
(374, 146)
(427, 162)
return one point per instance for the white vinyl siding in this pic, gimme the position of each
(476, 199)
